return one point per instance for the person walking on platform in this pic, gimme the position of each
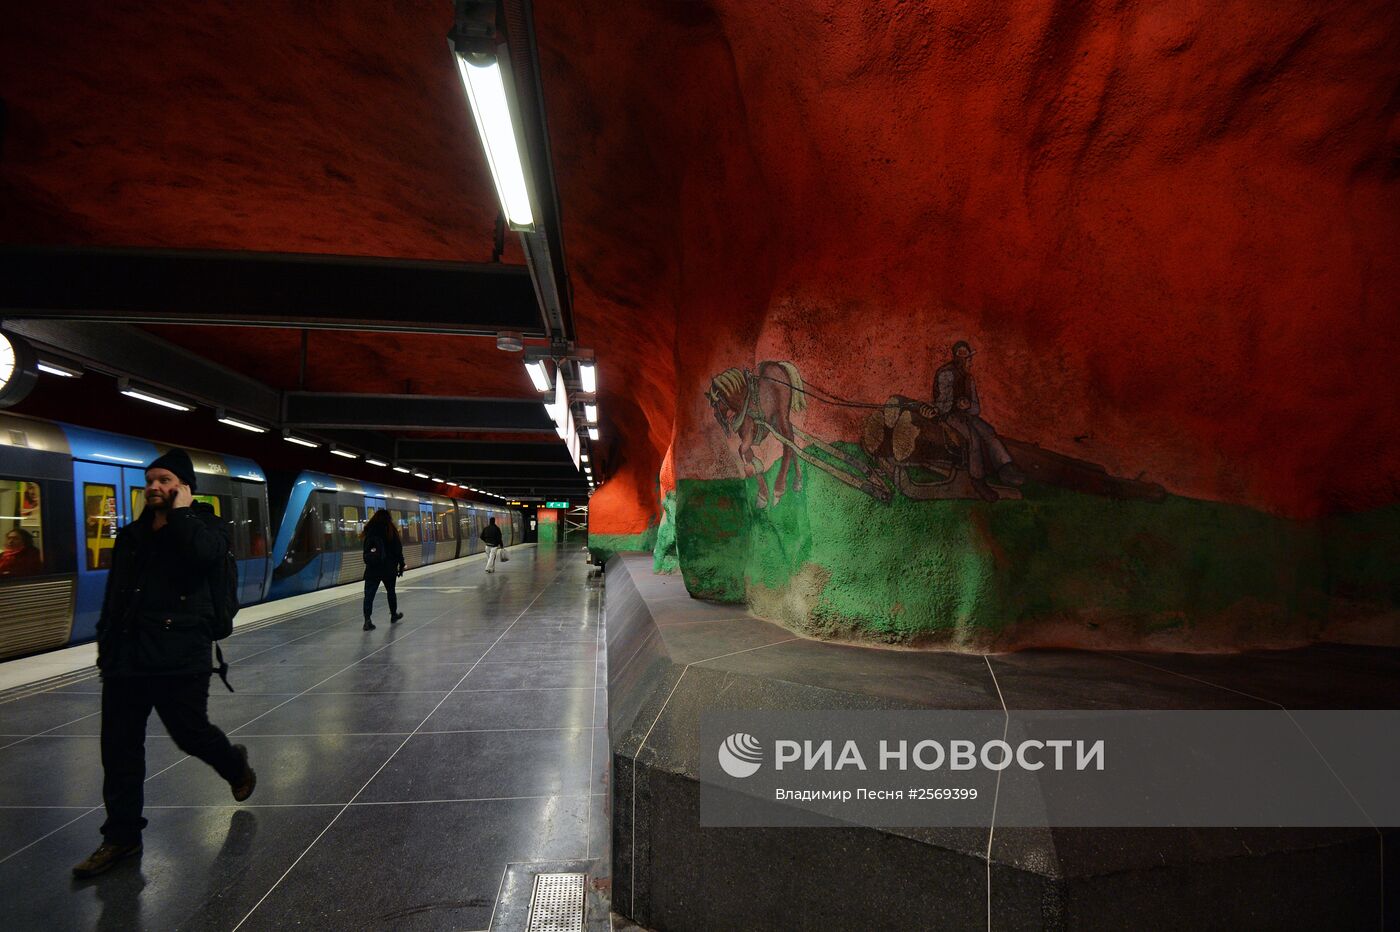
(491, 537)
(383, 562)
(153, 649)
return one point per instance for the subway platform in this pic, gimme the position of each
(413, 777)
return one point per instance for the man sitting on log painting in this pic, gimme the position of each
(955, 404)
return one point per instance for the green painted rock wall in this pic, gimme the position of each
(664, 556)
(603, 546)
(1057, 568)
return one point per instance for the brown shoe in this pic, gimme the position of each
(248, 782)
(103, 859)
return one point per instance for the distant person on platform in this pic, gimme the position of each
(20, 557)
(153, 642)
(491, 537)
(955, 403)
(383, 554)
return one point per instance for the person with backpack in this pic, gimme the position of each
(164, 606)
(491, 537)
(383, 553)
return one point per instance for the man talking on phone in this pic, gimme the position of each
(153, 648)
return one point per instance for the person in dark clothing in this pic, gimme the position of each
(383, 554)
(153, 649)
(955, 402)
(491, 537)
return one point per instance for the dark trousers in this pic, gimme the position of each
(372, 586)
(182, 702)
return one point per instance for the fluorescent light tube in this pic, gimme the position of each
(375, 462)
(538, 376)
(55, 369)
(300, 442)
(242, 425)
(402, 469)
(588, 377)
(487, 94)
(592, 433)
(591, 413)
(422, 475)
(345, 453)
(155, 399)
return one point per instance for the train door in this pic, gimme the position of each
(250, 544)
(100, 511)
(324, 502)
(430, 534)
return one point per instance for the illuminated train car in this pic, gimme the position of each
(64, 493)
(318, 540)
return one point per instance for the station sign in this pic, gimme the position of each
(556, 504)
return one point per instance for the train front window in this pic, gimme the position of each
(100, 521)
(21, 529)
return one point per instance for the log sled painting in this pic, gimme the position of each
(925, 450)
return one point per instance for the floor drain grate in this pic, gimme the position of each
(556, 905)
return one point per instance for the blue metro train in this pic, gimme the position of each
(66, 490)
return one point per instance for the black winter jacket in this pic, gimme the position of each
(158, 612)
(491, 535)
(383, 556)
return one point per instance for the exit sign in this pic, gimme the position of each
(556, 504)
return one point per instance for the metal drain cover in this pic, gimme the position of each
(556, 905)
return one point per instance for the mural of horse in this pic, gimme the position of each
(750, 404)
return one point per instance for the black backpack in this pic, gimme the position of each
(223, 592)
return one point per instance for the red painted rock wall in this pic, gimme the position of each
(1169, 231)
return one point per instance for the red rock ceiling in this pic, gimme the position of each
(1171, 230)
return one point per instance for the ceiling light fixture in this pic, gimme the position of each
(485, 74)
(141, 393)
(421, 475)
(591, 413)
(240, 424)
(402, 469)
(300, 441)
(538, 376)
(592, 433)
(53, 367)
(588, 377)
(345, 453)
(374, 462)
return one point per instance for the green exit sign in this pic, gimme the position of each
(556, 504)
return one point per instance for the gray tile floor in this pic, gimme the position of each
(399, 770)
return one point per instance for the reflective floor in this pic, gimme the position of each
(399, 770)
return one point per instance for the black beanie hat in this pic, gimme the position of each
(178, 462)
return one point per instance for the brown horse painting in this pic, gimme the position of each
(749, 405)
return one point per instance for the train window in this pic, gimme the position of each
(257, 538)
(306, 541)
(100, 514)
(352, 522)
(214, 501)
(21, 528)
(327, 526)
(449, 526)
(411, 533)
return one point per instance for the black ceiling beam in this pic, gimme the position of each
(335, 411)
(477, 451)
(266, 290)
(119, 349)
